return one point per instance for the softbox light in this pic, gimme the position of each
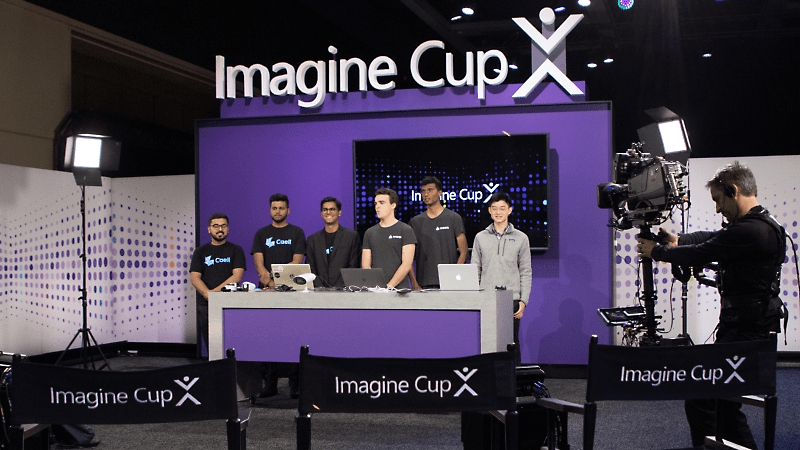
(667, 137)
(88, 155)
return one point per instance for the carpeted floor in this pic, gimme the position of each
(620, 425)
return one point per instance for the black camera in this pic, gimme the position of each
(644, 189)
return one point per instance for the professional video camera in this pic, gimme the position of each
(645, 189)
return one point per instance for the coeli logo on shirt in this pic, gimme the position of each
(442, 228)
(273, 242)
(391, 236)
(210, 260)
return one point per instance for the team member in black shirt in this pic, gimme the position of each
(214, 265)
(277, 243)
(333, 247)
(750, 252)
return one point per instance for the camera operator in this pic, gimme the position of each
(750, 251)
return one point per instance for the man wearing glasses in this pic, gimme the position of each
(214, 265)
(440, 237)
(332, 248)
(503, 256)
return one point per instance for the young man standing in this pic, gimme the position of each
(214, 265)
(503, 256)
(332, 248)
(389, 244)
(440, 237)
(278, 243)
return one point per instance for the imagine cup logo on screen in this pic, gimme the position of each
(465, 194)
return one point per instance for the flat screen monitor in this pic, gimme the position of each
(471, 169)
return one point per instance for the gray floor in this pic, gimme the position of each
(620, 425)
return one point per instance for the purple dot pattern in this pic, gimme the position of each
(703, 301)
(137, 256)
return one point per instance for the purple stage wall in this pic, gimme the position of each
(243, 159)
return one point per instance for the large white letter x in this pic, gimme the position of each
(547, 45)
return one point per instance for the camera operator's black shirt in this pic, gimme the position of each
(747, 252)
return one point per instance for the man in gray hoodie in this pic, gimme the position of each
(502, 254)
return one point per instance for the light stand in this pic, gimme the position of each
(86, 155)
(684, 337)
(87, 338)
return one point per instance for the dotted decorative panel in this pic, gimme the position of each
(137, 255)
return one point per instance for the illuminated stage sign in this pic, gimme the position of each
(333, 75)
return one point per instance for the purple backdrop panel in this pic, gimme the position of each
(241, 162)
(277, 334)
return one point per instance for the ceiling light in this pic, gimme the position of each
(467, 11)
(591, 65)
(706, 55)
(608, 60)
(625, 4)
(560, 9)
(454, 18)
(584, 3)
(513, 66)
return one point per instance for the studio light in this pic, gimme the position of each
(86, 155)
(667, 137)
(468, 11)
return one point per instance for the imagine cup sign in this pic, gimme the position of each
(333, 75)
(142, 395)
(467, 195)
(698, 373)
(422, 384)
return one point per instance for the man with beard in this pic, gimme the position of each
(277, 243)
(214, 265)
(440, 237)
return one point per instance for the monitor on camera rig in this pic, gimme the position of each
(644, 190)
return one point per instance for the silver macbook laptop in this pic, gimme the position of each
(458, 277)
(369, 278)
(287, 273)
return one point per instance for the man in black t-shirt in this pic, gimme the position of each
(440, 237)
(332, 248)
(214, 265)
(277, 243)
(389, 244)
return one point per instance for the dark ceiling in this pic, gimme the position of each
(742, 101)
